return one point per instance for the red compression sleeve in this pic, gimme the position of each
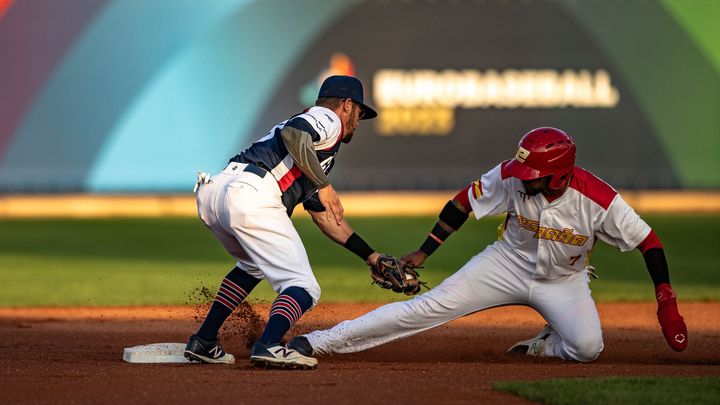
(651, 242)
(462, 198)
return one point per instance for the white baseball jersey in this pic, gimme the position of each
(540, 262)
(248, 205)
(559, 235)
(269, 153)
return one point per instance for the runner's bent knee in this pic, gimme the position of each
(585, 349)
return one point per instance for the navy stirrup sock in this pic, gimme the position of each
(287, 308)
(233, 290)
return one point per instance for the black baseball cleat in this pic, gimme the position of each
(278, 356)
(301, 345)
(204, 351)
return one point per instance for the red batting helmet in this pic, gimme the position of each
(544, 152)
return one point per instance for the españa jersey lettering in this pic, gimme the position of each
(557, 236)
(269, 153)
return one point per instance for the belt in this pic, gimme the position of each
(204, 178)
(258, 171)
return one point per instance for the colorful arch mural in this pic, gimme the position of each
(130, 96)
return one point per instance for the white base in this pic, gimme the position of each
(156, 353)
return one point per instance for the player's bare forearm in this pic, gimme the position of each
(339, 233)
(330, 200)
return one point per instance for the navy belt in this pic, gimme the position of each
(258, 171)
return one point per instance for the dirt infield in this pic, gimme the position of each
(75, 356)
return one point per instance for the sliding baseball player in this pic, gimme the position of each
(555, 213)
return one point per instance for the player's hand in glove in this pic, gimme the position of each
(391, 273)
(671, 322)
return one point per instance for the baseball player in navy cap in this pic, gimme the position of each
(555, 213)
(248, 205)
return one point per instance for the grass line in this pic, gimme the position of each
(163, 260)
(617, 390)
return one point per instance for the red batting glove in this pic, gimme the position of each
(672, 324)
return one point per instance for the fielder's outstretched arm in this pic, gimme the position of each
(451, 218)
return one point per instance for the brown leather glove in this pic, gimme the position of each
(391, 273)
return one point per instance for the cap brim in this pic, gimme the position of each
(520, 171)
(368, 113)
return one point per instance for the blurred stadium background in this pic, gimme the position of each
(135, 96)
(108, 108)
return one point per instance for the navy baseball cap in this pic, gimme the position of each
(347, 87)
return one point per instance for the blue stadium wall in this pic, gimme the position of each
(127, 96)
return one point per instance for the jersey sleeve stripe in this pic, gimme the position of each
(287, 180)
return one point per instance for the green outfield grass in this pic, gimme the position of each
(166, 260)
(617, 390)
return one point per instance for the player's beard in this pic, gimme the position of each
(350, 123)
(531, 191)
(537, 186)
(347, 137)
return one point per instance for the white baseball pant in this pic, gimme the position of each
(492, 278)
(245, 213)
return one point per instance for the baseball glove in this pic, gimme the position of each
(394, 274)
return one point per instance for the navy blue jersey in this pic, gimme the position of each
(269, 153)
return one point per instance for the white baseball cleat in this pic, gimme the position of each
(534, 346)
(278, 356)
